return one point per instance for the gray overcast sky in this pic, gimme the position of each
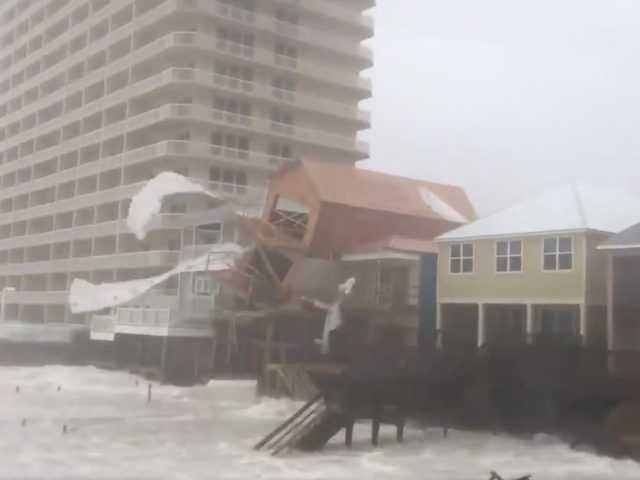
(507, 97)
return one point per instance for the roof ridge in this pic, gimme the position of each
(580, 205)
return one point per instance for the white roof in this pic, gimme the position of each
(568, 208)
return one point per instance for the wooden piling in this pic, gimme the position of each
(64, 429)
(163, 358)
(375, 422)
(348, 430)
(400, 427)
(268, 341)
(149, 393)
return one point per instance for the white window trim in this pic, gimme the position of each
(508, 257)
(557, 253)
(462, 258)
(198, 281)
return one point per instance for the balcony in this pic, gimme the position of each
(335, 12)
(112, 38)
(266, 23)
(171, 148)
(260, 125)
(50, 20)
(65, 235)
(146, 321)
(123, 192)
(103, 327)
(37, 298)
(267, 58)
(202, 78)
(153, 258)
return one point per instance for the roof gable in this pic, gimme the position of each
(568, 208)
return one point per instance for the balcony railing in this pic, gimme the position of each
(277, 27)
(105, 324)
(334, 11)
(192, 75)
(152, 258)
(144, 317)
(113, 37)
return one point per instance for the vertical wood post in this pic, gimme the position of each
(375, 421)
(348, 430)
(163, 358)
(214, 348)
(149, 393)
(267, 346)
(400, 425)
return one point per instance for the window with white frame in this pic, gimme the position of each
(202, 286)
(509, 256)
(461, 258)
(558, 253)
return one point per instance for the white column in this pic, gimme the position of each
(4, 302)
(530, 327)
(482, 330)
(583, 323)
(439, 326)
(611, 340)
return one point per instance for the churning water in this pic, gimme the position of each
(208, 432)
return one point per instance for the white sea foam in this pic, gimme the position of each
(206, 432)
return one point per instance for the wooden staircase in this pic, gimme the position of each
(309, 429)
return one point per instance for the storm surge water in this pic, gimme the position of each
(207, 432)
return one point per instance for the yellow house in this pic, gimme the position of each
(531, 272)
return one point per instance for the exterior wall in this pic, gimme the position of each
(596, 289)
(350, 227)
(295, 184)
(366, 273)
(533, 284)
(98, 96)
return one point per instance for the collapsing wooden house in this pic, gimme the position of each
(326, 222)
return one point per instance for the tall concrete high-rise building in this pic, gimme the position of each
(98, 96)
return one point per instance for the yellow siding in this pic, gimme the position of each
(533, 283)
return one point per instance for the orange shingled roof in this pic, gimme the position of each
(346, 184)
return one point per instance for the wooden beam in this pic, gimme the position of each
(267, 263)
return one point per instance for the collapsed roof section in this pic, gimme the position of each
(328, 211)
(331, 208)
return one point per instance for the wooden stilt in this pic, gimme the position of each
(163, 358)
(348, 430)
(214, 349)
(400, 426)
(375, 422)
(267, 347)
